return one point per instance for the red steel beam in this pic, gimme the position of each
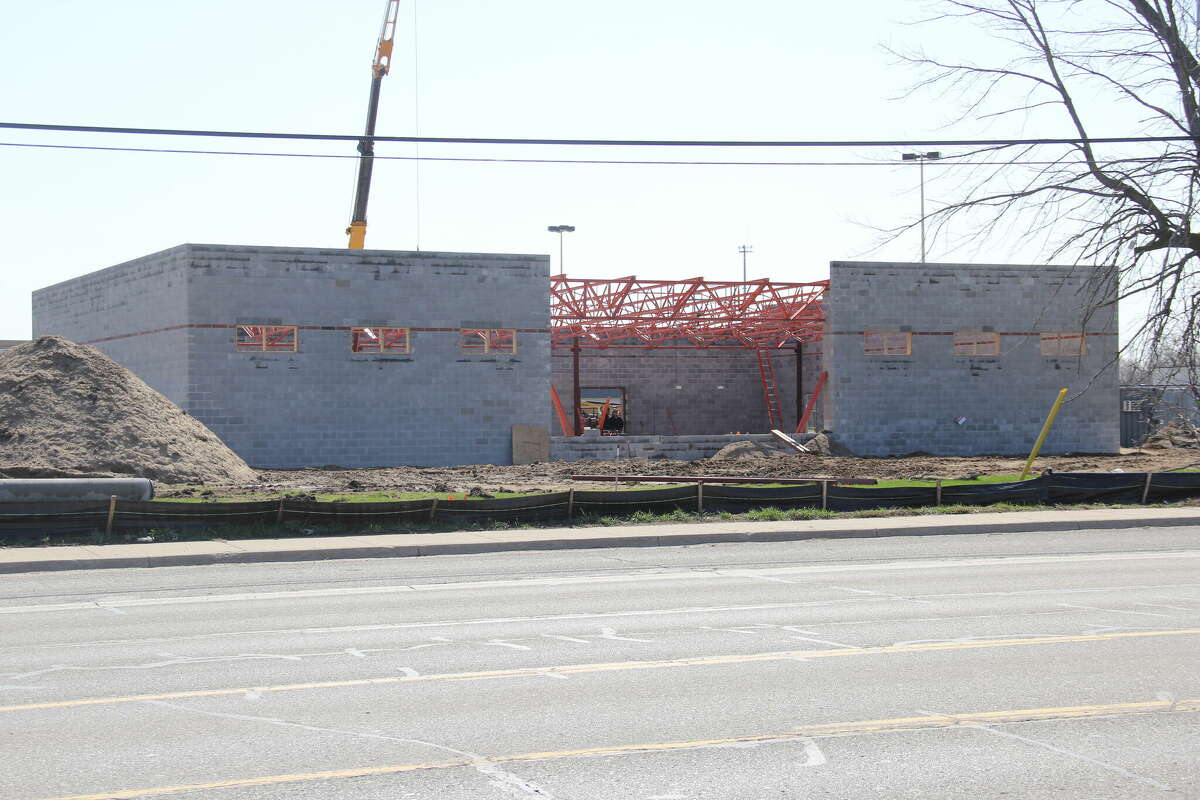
(627, 312)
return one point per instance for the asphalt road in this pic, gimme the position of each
(1013, 665)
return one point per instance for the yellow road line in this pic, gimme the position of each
(802, 732)
(618, 666)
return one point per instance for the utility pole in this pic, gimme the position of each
(744, 250)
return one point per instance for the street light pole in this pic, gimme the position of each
(744, 249)
(921, 158)
(560, 230)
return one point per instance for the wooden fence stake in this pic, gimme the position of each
(699, 497)
(433, 509)
(112, 512)
(824, 495)
(939, 491)
(571, 504)
(1146, 488)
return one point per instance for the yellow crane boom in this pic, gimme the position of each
(366, 146)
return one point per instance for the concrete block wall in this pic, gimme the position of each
(136, 313)
(594, 447)
(720, 390)
(327, 405)
(937, 402)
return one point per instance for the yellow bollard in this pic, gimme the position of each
(1037, 446)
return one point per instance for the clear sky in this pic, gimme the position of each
(665, 69)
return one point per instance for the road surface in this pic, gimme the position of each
(1014, 665)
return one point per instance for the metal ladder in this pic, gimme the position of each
(766, 370)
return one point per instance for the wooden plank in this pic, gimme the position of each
(530, 444)
(789, 441)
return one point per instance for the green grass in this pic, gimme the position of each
(982, 479)
(337, 497)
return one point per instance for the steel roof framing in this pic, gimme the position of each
(693, 313)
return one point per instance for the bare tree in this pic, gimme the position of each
(1126, 207)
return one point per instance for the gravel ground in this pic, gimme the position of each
(556, 475)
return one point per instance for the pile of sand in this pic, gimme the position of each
(68, 410)
(749, 449)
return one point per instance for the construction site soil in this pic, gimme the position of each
(557, 475)
(67, 410)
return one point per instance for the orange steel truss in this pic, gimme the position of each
(627, 312)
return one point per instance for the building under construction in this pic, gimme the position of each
(302, 357)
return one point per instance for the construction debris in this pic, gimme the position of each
(67, 410)
(1173, 435)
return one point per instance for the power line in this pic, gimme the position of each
(595, 142)
(948, 161)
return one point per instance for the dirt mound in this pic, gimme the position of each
(1173, 435)
(747, 449)
(68, 410)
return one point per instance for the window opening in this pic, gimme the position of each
(1063, 344)
(488, 340)
(887, 343)
(266, 337)
(970, 343)
(380, 340)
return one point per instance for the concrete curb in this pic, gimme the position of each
(181, 554)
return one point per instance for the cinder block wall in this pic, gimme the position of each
(327, 405)
(891, 405)
(136, 313)
(698, 406)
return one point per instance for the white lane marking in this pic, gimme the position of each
(565, 638)
(794, 629)
(437, 641)
(169, 661)
(503, 643)
(1116, 611)
(574, 580)
(814, 756)
(355, 652)
(611, 635)
(409, 672)
(1142, 779)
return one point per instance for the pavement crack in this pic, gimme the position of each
(499, 777)
(996, 731)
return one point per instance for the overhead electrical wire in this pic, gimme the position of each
(595, 142)
(946, 161)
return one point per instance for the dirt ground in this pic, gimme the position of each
(556, 475)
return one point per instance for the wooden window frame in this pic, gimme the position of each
(970, 344)
(887, 343)
(1055, 350)
(380, 339)
(488, 341)
(267, 338)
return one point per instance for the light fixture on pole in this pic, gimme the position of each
(921, 158)
(560, 230)
(744, 250)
